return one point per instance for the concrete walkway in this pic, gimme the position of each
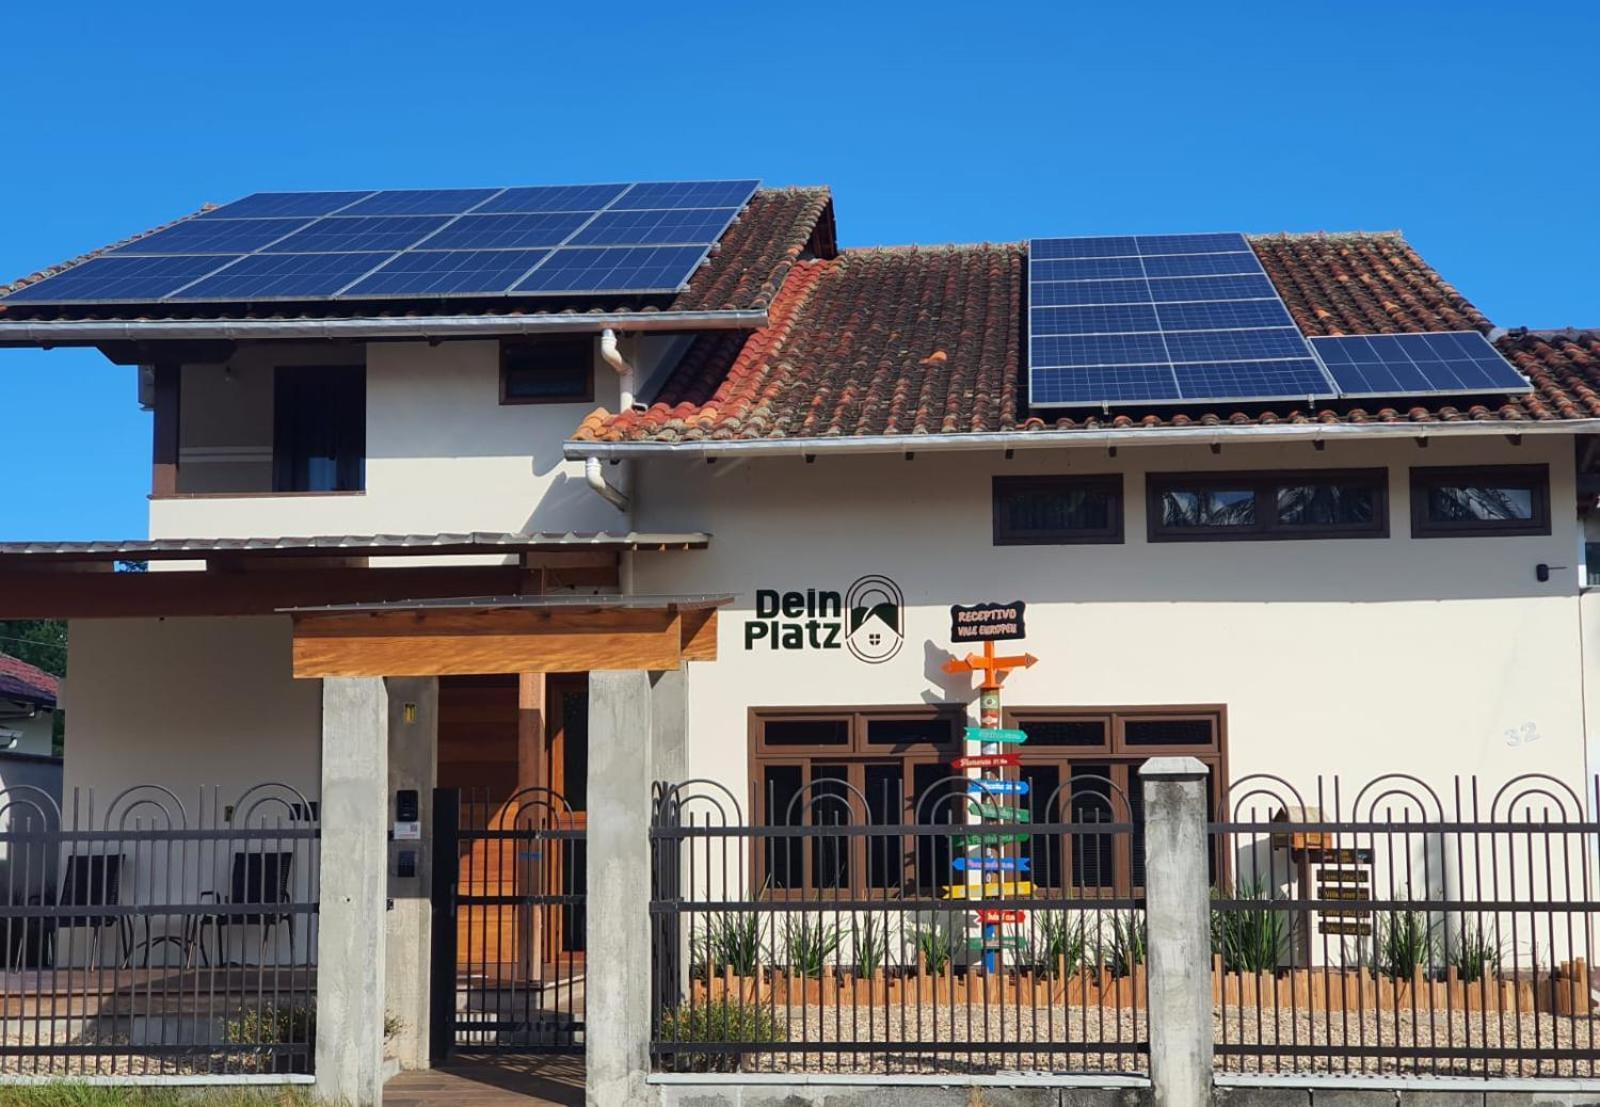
(491, 1082)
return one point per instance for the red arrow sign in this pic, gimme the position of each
(991, 916)
(987, 761)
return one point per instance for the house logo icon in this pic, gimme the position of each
(875, 607)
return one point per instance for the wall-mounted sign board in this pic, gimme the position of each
(988, 622)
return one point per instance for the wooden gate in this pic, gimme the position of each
(508, 924)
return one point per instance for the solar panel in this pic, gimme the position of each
(1161, 318)
(641, 238)
(1406, 364)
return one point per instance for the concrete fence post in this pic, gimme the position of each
(1178, 911)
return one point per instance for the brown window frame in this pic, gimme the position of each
(1111, 534)
(509, 349)
(1535, 477)
(856, 755)
(1264, 484)
(1123, 760)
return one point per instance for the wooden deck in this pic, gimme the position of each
(491, 1082)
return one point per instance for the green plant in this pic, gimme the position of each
(871, 946)
(1404, 943)
(936, 946)
(1057, 942)
(733, 941)
(811, 945)
(723, 1022)
(271, 1025)
(1250, 939)
(1474, 954)
(1126, 942)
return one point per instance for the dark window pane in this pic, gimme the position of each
(547, 370)
(1057, 509)
(830, 803)
(938, 802)
(1208, 507)
(806, 732)
(1136, 811)
(886, 804)
(1065, 732)
(780, 786)
(1168, 732)
(1451, 503)
(575, 763)
(1091, 802)
(908, 732)
(1046, 806)
(1322, 504)
(319, 429)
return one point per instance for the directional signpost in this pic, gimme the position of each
(989, 623)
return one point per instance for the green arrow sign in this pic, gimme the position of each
(987, 839)
(1002, 941)
(980, 734)
(1000, 814)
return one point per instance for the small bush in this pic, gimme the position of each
(1056, 938)
(1474, 954)
(275, 1026)
(724, 1022)
(810, 945)
(937, 947)
(871, 946)
(1404, 943)
(1251, 939)
(733, 941)
(1126, 943)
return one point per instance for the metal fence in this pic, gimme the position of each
(1393, 927)
(944, 933)
(146, 936)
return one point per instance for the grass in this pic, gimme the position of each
(67, 1094)
(1058, 941)
(1404, 943)
(722, 1022)
(1126, 942)
(811, 946)
(937, 947)
(1251, 939)
(733, 942)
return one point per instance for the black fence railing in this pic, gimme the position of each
(1399, 928)
(147, 937)
(957, 933)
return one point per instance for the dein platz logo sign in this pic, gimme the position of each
(868, 619)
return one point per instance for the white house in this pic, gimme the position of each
(768, 485)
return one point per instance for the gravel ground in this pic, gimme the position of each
(1104, 1040)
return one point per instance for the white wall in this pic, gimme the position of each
(35, 735)
(443, 454)
(1332, 656)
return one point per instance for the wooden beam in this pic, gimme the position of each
(34, 595)
(530, 731)
(700, 634)
(490, 640)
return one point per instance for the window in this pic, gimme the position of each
(547, 371)
(859, 767)
(1317, 503)
(319, 428)
(1082, 766)
(1057, 511)
(1488, 500)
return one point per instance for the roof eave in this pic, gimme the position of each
(576, 450)
(24, 333)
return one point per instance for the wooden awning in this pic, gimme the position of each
(505, 634)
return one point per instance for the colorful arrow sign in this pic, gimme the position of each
(1004, 889)
(991, 915)
(1000, 814)
(998, 941)
(990, 864)
(987, 761)
(987, 786)
(987, 839)
(996, 734)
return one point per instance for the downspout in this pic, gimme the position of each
(593, 471)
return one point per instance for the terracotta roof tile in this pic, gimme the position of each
(918, 341)
(27, 683)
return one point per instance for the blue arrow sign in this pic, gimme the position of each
(989, 787)
(991, 864)
(982, 734)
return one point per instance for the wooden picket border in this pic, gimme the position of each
(1561, 991)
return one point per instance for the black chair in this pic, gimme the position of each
(259, 880)
(92, 880)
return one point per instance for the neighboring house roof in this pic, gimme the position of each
(927, 341)
(26, 683)
(744, 271)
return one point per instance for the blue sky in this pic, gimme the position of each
(1470, 126)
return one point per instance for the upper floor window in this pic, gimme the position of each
(1057, 510)
(1482, 500)
(319, 428)
(547, 371)
(1315, 503)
